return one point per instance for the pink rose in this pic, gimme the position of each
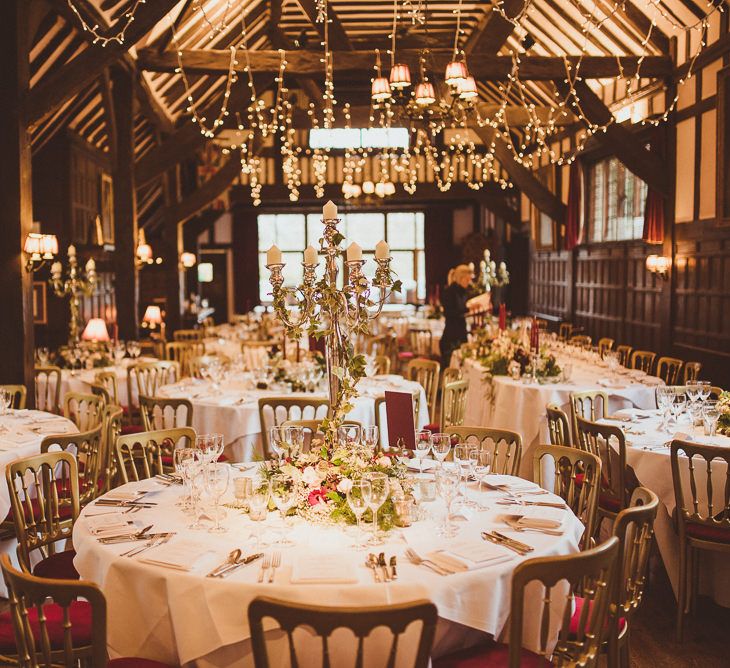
(317, 496)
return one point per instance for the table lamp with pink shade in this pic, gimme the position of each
(95, 330)
(153, 318)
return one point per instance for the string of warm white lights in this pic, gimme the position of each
(127, 20)
(222, 24)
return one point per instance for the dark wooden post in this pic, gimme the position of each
(171, 249)
(16, 212)
(125, 206)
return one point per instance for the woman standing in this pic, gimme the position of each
(454, 303)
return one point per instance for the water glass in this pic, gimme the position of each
(664, 399)
(286, 441)
(440, 446)
(710, 415)
(704, 388)
(242, 489)
(447, 483)
(284, 496)
(370, 437)
(679, 404)
(375, 497)
(216, 485)
(349, 436)
(210, 446)
(5, 400)
(258, 509)
(424, 491)
(183, 459)
(423, 446)
(357, 499)
(196, 475)
(43, 355)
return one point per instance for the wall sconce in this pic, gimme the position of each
(39, 248)
(95, 330)
(144, 250)
(659, 265)
(187, 260)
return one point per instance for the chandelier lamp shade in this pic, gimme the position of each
(95, 330)
(456, 72)
(144, 250)
(400, 76)
(467, 88)
(380, 89)
(425, 93)
(39, 247)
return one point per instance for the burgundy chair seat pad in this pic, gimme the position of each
(59, 565)
(80, 612)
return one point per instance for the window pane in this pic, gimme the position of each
(420, 218)
(402, 230)
(315, 229)
(365, 229)
(292, 271)
(421, 262)
(267, 231)
(290, 231)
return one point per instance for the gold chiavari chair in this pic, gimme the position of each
(185, 335)
(634, 527)
(426, 373)
(256, 354)
(84, 410)
(101, 392)
(162, 413)
(574, 475)
(182, 352)
(582, 340)
(609, 444)
(147, 377)
(591, 405)
(421, 342)
(17, 395)
(702, 515)
(87, 447)
(590, 576)
(382, 365)
(48, 389)
(59, 623)
(361, 622)
(141, 456)
(558, 425)
(691, 371)
(198, 363)
(450, 375)
(111, 430)
(604, 345)
(565, 331)
(624, 355)
(273, 411)
(669, 369)
(505, 446)
(715, 392)
(108, 379)
(44, 503)
(453, 404)
(643, 360)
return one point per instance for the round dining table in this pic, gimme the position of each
(231, 407)
(162, 605)
(502, 402)
(648, 454)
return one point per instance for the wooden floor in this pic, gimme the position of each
(653, 641)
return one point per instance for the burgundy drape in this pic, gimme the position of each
(572, 215)
(653, 218)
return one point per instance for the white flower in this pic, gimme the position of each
(291, 471)
(311, 477)
(383, 461)
(344, 486)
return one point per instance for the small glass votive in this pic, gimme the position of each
(243, 487)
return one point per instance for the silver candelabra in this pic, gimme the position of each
(339, 315)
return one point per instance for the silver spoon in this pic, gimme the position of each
(233, 557)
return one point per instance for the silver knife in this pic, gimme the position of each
(229, 569)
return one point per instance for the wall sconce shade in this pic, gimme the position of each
(39, 247)
(95, 330)
(659, 265)
(152, 315)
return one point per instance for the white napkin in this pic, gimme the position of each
(180, 556)
(507, 483)
(412, 464)
(634, 413)
(110, 525)
(469, 555)
(541, 517)
(322, 569)
(118, 495)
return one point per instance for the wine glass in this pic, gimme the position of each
(710, 415)
(357, 499)
(375, 497)
(440, 446)
(284, 496)
(447, 483)
(370, 437)
(119, 351)
(286, 440)
(216, 484)
(664, 397)
(196, 476)
(704, 389)
(483, 465)
(207, 445)
(423, 446)
(258, 505)
(679, 403)
(182, 459)
(349, 436)
(43, 355)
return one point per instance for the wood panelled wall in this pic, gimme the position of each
(606, 289)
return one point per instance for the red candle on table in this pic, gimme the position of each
(502, 317)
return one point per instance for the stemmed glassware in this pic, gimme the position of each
(704, 389)
(710, 415)
(196, 477)
(216, 484)
(375, 497)
(370, 437)
(447, 483)
(134, 349)
(664, 398)
(284, 495)
(679, 403)
(118, 351)
(357, 499)
(6, 400)
(423, 446)
(440, 446)
(484, 464)
(349, 436)
(424, 491)
(286, 441)
(183, 459)
(258, 504)
(210, 446)
(43, 355)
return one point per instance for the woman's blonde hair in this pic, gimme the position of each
(458, 272)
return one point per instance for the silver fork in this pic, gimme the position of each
(275, 563)
(415, 559)
(265, 565)
(148, 546)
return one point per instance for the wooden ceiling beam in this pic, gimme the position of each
(646, 164)
(540, 195)
(642, 24)
(338, 38)
(482, 66)
(73, 77)
(493, 30)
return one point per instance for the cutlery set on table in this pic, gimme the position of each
(233, 562)
(505, 541)
(384, 570)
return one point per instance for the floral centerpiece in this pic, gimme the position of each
(324, 475)
(723, 407)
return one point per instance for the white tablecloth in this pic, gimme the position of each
(653, 470)
(184, 618)
(21, 433)
(516, 405)
(232, 410)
